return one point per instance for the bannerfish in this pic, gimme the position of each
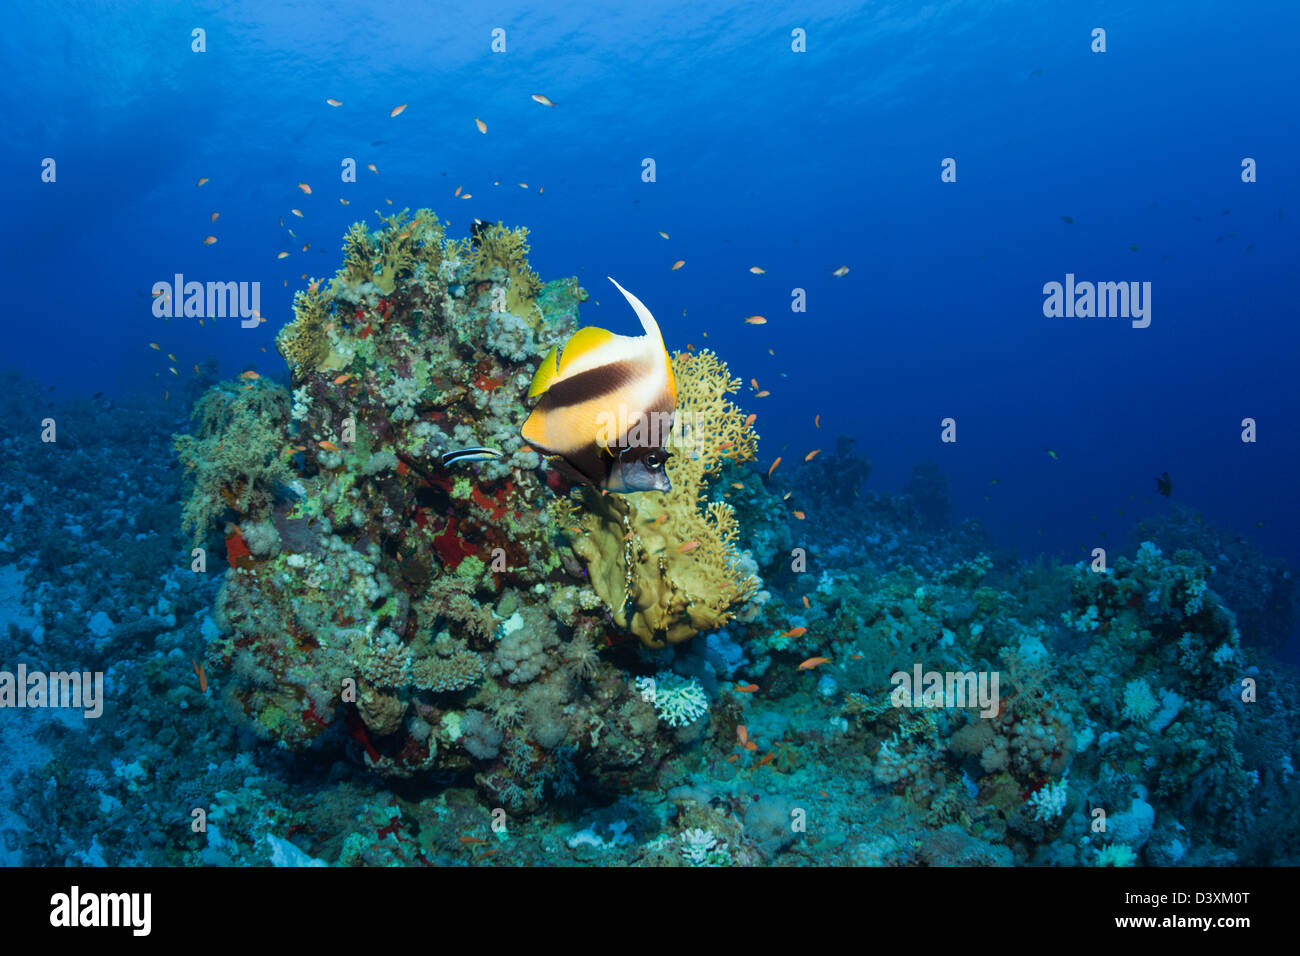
(607, 405)
(469, 454)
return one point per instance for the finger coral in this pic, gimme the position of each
(667, 564)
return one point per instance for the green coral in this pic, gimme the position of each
(235, 456)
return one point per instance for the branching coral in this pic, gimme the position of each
(383, 257)
(498, 254)
(302, 342)
(667, 564)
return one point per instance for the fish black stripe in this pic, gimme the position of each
(593, 384)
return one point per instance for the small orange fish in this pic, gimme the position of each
(855, 657)
(342, 201)
(329, 446)
(282, 255)
(342, 378)
(472, 841)
(688, 546)
(196, 364)
(662, 233)
(165, 394)
(174, 372)
(813, 662)
(396, 111)
(773, 468)
(305, 188)
(628, 536)
(155, 346)
(466, 195)
(738, 486)
(753, 382)
(841, 271)
(817, 421)
(662, 518)
(823, 793)
(371, 167)
(746, 688)
(249, 374)
(202, 180)
(213, 217)
(796, 632)
(753, 417)
(806, 602)
(762, 394)
(202, 675)
(742, 734)
(172, 357)
(209, 240)
(333, 102)
(812, 454)
(799, 514)
(756, 320)
(677, 265)
(757, 271)
(544, 100)
(768, 759)
(458, 189)
(787, 496)
(298, 213)
(482, 126)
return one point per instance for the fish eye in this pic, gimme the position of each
(655, 460)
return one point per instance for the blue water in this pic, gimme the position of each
(796, 162)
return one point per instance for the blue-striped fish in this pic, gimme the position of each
(470, 454)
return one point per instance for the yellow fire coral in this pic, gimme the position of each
(666, 564)
(302, 341)
(497, 247)
(397, 247)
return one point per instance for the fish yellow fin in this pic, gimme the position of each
(546, 374)
(584, 342)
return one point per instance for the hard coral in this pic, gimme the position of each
(666, 564)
